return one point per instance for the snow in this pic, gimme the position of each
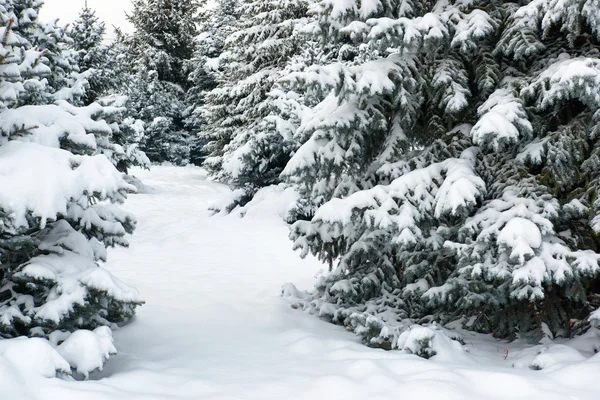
(216, 327)
(86, 351)
(533, 152)
(31, 358)
(476, 25)
(274, 200)
(429, 342)
(567, 78)
(503, 120)
(522, 236)
(54, 177)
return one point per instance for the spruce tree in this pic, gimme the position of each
(215, 25)
(245, 120)
(59, 196)
(94, 58)
(449, 171)
(161, 46)
(108, 76)
(55, 43)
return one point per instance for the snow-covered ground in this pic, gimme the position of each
(215, 327)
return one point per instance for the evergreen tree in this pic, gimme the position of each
(247, 116)
(59, 197)
(106, 69)
(450, 166)
(54, 42)
(94, 58)
(158, 106)
(164, 37)
(161, 46)
(215, 25)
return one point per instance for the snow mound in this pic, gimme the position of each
(140, 187)
(289, 290)
(544, 357)
(555, 355)
(270, 201)
(274, 201)
(30, 357)
(430, 341)
(87, 351)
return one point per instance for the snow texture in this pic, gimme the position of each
(86, 351)
(212, 330)
(55, 178)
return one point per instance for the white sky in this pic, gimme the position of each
(112, 12)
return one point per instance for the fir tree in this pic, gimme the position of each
(246, 117)
(449, 168)
(215, 25)
(65, 83)
(106, 69)
(93, 56)
(160, 49)
(164, 37)
(59, 197)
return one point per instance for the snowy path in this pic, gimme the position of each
(214, 326)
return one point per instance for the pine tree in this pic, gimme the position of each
(59, 197)
(94, 58)
(215, 25)
(106, 69)
(449, 169)
(164, 37)
(158, 105)
(245, 120)
(54, 41)
(160, 49)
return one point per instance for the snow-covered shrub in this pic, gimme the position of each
(59, 196)
(387, 330)
(430, 341)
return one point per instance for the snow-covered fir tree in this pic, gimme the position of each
(94, 58)
(215, 24)
(449, 171)
(248, 118)
(161, 46)
(164, 36)
(156, 107)
(59, 196)
(107, 72)
(55, 43)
